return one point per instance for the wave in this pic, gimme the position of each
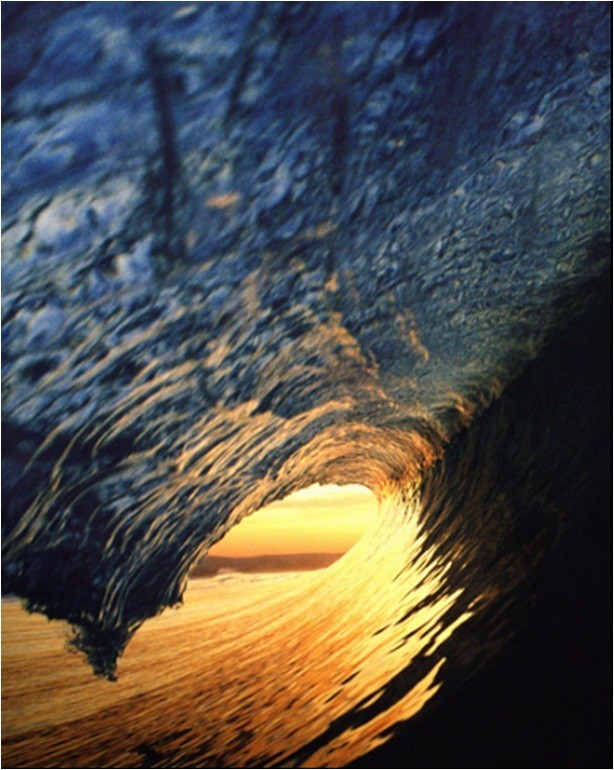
(436, 334)
(320, 670)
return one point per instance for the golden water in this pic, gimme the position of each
(251, 670)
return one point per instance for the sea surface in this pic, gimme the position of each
(250, 248)
(317, 669)
(251, 669)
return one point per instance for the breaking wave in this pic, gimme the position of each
(440, 342)
(316, 670)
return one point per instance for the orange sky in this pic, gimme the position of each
(317, 519)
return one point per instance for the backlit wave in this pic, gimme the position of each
(245, 253)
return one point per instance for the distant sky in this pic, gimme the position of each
(314, 520)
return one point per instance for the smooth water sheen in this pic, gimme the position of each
(262, 666)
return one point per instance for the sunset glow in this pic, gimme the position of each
(318, 519)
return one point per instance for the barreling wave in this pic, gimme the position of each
(428, 323)
(322, 667)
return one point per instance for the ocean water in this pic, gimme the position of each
(251, 670)
(249, 248)
(317, 669)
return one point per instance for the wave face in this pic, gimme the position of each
(247, 252)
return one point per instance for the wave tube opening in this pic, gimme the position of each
(308, 529)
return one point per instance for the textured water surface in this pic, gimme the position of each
(248, 248)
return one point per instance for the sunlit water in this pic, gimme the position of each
(428, 330)
(251, 670)
(316, 669)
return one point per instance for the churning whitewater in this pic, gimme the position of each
(249, 248)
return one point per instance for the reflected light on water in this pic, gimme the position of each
(253, 670)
